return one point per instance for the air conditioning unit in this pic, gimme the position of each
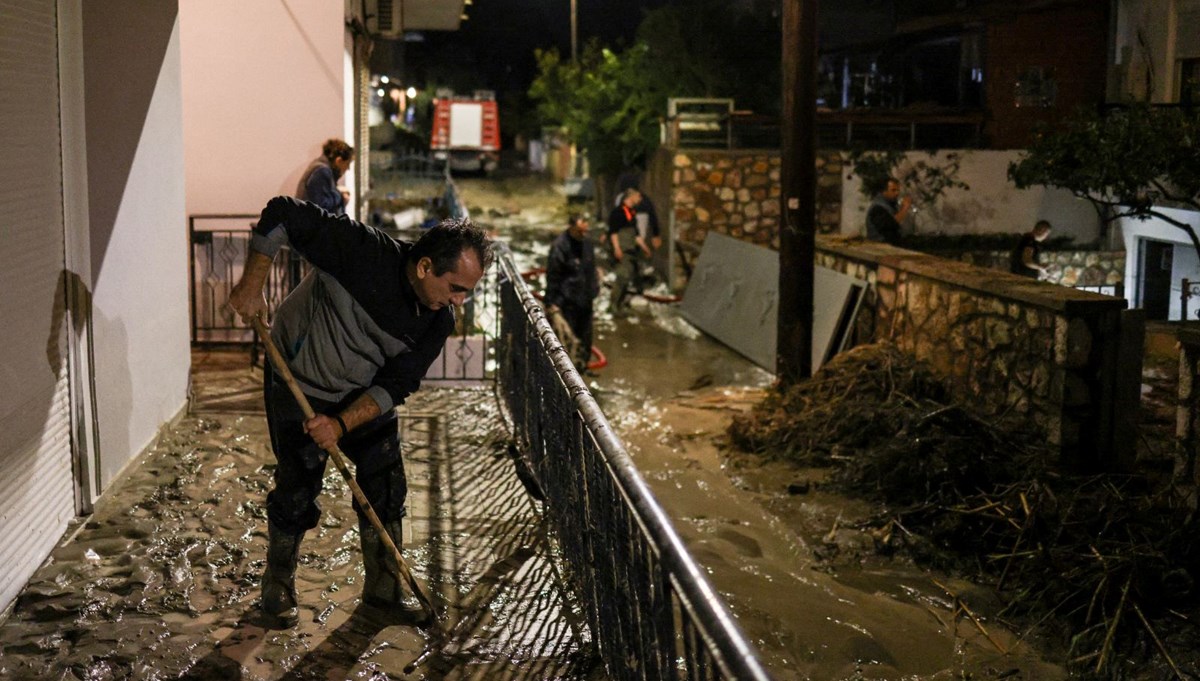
(385, 18)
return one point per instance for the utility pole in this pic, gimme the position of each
(798, 178)
(574, 40)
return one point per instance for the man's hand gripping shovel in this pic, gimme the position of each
(339, 459)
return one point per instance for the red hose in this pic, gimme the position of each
(600, 360)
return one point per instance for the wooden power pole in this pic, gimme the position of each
(798, 177)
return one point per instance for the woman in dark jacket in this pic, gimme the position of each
(319, 183)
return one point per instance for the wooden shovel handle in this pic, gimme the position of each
(339, 460)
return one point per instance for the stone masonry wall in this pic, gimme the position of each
(1010, 345)
(737, 193)
(1071, 268)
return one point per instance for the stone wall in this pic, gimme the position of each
(1070, 268)
(737, 193)
(1009, 345)
(1187, 409)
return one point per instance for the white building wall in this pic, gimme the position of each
(264, 85)
(991, 205)
(1185, 265)
(137, 223)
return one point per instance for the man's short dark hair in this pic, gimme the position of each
(445, 242)
(1042, 224)
(574, 218)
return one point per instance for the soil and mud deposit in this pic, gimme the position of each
(1102, 565)
(161, 582)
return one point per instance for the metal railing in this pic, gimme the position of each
(840, 129)
(417, 164)
(217, 258)
(653, 613)
(1188, 289)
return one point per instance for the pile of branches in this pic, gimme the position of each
(1104, 563)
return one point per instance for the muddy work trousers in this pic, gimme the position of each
(374, 447)
(579, 319)
(627, 271)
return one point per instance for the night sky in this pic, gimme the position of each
(494, 48)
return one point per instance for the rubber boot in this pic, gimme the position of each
(381, 588)
(279, 579)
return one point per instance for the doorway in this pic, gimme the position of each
(1155, 261)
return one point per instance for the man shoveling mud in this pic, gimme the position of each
(359, 333)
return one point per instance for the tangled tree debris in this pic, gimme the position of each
(1106, 563)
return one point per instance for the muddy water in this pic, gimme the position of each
(161, 581)
(803, 582)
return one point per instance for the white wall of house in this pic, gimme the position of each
(992, 204)
(264, 85)
(137, 223)
(1185, 265)
(1150, 37)
(93, 264)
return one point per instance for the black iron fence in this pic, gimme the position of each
(842, 129)
(1189, 288)
(218, 252)
(652, 612)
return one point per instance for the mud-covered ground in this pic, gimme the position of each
(161, 582)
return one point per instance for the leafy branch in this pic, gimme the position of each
(1129, 163)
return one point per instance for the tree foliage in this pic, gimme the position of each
(605, 102)
(924, 180)
(1128, 163)
(611, 101)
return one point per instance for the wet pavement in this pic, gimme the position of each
(161, 582)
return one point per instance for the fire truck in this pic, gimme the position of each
(466, 130)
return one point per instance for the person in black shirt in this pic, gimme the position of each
(628, 246)
(359, 333)
(1024, 258)
(886, 212)
(571, 285)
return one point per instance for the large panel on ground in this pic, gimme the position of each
(733, 296)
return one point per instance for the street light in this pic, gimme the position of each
(574, 51)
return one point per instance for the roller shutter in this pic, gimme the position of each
(36, 483)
